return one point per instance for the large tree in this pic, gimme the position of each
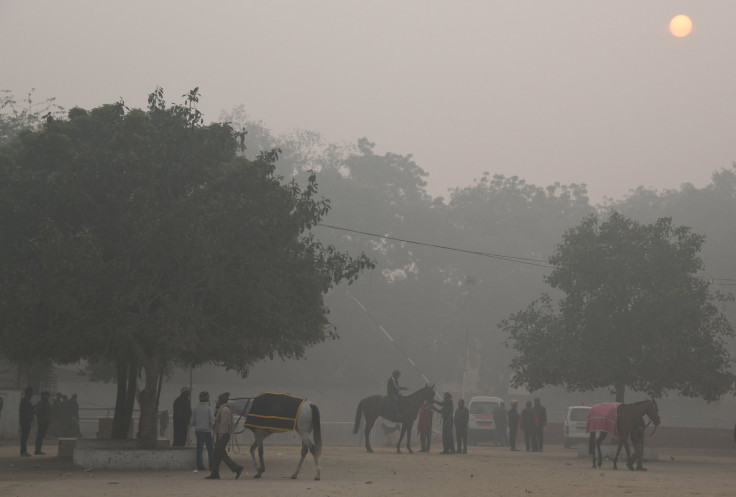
(139, 237)
(634, 315)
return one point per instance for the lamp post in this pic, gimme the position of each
(469, 284)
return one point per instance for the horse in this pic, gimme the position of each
(376, 405)
(628, 417)
(305, 422)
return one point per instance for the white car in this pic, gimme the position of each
(480, 424)
(576, 421)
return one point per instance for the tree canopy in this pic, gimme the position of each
(132, 233)
(634, 314)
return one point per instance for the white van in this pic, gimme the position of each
(480, 425)
(576, 421)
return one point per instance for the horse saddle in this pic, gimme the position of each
(388, 410)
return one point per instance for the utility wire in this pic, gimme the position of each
(509, 258)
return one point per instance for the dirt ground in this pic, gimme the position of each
(350, 471)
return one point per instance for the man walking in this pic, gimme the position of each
(223, 431)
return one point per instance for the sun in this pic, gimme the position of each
(681, 25)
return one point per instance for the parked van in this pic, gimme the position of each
(480, 425)
(576, 421)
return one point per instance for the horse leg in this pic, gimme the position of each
(262, 467)
(401, 438)
(598, 442)
(305, 449)
(253, 453)
(313, 450)
(629, 457)
(368, 427)
(615, 459)
(408, 437)
(591, 446)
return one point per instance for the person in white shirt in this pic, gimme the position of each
(203, 419)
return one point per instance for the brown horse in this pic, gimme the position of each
(628, 417)
(376, 405)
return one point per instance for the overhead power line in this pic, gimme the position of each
(510, 258)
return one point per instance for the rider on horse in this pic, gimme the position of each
(393, 391)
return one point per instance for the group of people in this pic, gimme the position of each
(457, 419)
(207, 421)
(57, 418)
(531, 420)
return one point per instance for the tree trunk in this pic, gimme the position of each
(127, 373)
(620, 390)
(149, 408)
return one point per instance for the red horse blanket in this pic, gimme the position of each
(602, 417)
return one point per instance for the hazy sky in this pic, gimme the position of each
(587, 91)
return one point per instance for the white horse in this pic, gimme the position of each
(307, 420)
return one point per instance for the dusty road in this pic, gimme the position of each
(350, 471)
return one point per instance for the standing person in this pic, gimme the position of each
(56, 408)
(25, 419)
(73, 413)
(223, 429)
(541, 413)
(393, 390)
(43, 418)
(424, 426)
(528, 423)
(462, 416)
(182, 415)
(203, 419)
(499, 420)
(513, 418)
(448, 444)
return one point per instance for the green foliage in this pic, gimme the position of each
(634, 314)
(130, 232)
(27, 114)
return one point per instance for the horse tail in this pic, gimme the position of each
(317, 430)
(358, 414)
(591, 443)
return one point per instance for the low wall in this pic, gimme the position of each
(123, 454)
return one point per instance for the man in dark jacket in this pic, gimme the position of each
(513, 418)
(448, 445)
(182, 414)
(528, 423)
(25, 419)
(393, 390)
(541, 413)
(43, 418)
(462, 416)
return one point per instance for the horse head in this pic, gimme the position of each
(426, 393)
